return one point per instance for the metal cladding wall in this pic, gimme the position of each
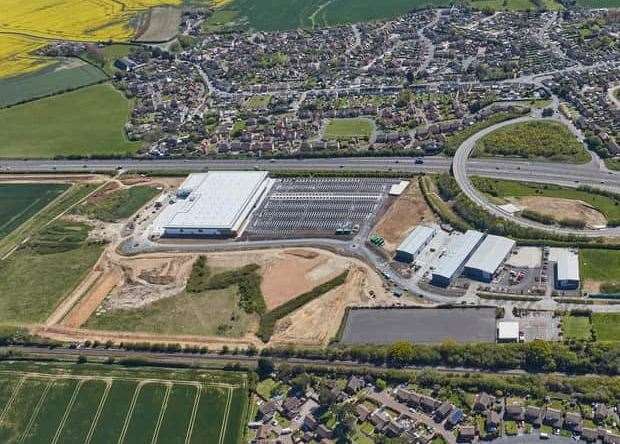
(485, 261)
(411, 247)
(459, 251)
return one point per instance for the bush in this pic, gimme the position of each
(538, 217)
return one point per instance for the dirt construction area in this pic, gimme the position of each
(564, 209)
(125, 283)
(408, 210)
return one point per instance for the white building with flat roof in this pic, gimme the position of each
(566, 269)
(458, 251)
(214, 204)
(507, 331)
(491, 253)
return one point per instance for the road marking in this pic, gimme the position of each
(162, 412)
(11, 399)
(65, 416)
(192, 420)
(132, 406)
(102, 402)
(226, 414)
(35, 412)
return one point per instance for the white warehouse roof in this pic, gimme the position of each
(458, 250)
(218, 199)
(508, 330)
(567, 265)
(416, 239)
(490, 254)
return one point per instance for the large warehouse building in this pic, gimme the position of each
(491, 253)
(413, 244)
(566, 270)
(214, 204)
(458, 251)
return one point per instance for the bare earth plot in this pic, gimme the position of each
(64, 404)
(162, 24)
(564, 209)
(407, 211)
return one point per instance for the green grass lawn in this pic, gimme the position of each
(599, 3)
(85, 122)
(117, 205)
(38, 276)
(508, 188)
(606, 326)
(211, 313)
(19, 202)
(260, 101)
(599, 265)
(31, 226)
(343, 129)
(576, 327)
(533, 140)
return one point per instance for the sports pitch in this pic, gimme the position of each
(48, 404)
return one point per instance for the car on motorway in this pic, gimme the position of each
(418, 161)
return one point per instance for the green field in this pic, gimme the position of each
(533, 140)
(274, 15)
(104, 58)
(19, 202)
(514, 5)
(277, 15)
(48, 81)
(599, 3)
(66, 403)
(60, 128)
(576, 327)
(260, 101)
(33, 224)
(211, 313)
(497, 188)
(116, 205)
(343, 129)
(42, 272)
(600, 266)
(606, 326)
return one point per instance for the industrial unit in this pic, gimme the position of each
(507, 331)
(411, 247)
(214, 204)
(491, 253)
(458, 251)
(567, 270)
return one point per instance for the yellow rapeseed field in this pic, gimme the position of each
(26, 25)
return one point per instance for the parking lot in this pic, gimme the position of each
(419, 325)
(319, 207)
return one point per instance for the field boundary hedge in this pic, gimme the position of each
(269, 319)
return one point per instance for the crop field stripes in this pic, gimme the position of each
(11, 400)
(101, 408)
(102, 402)
(35, 412)
(132, 406)
(162, 412)
(226, 414)
(192, 421)
(67, 411)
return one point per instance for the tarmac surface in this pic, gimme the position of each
(421, 325)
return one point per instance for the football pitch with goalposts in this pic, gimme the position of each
(109, 404)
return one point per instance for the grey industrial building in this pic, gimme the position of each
(488, 257)
(458, 251)
(411, 247)
(567, 270)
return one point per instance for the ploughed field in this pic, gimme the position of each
(77, 404)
